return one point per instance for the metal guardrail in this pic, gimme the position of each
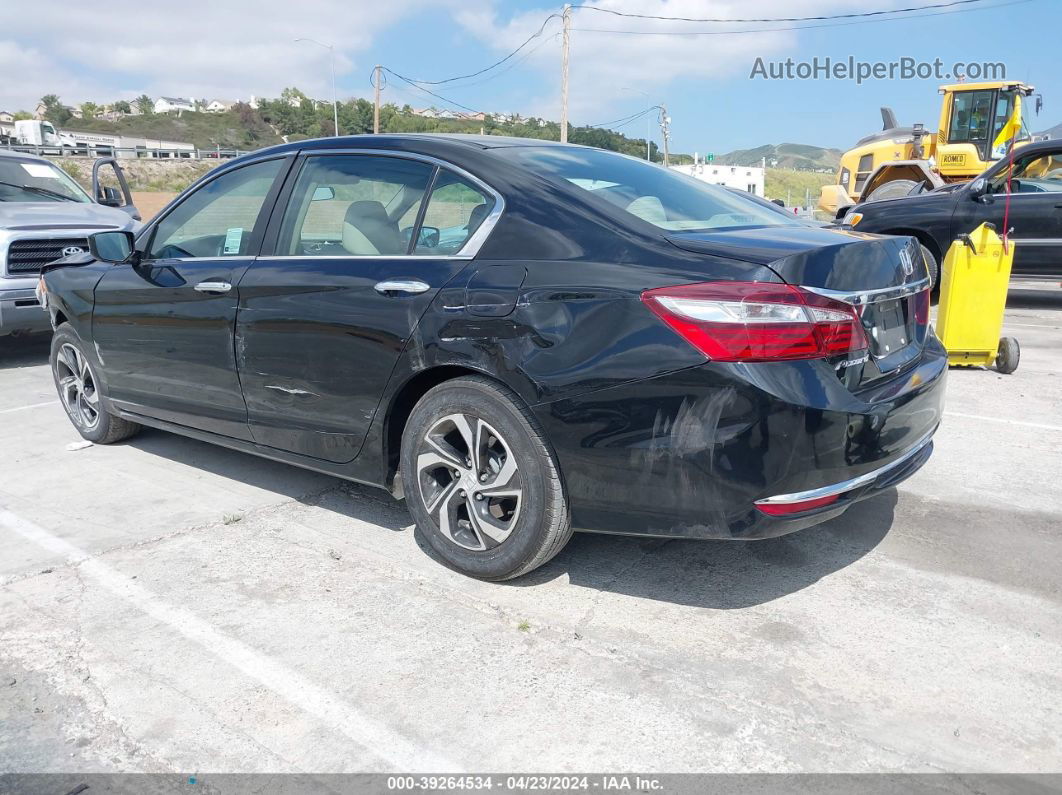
(93, 150)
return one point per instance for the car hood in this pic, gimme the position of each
(930, 197)
(35, 216)
(832, 259)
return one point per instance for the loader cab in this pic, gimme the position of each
(971, 116)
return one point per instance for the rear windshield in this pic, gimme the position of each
(37, 181)
(666, 199)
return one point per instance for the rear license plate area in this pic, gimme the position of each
(889, 326)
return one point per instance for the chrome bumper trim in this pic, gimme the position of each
(854, 483)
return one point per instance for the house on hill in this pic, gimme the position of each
(219, 105)
(173, 104)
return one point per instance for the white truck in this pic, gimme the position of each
(46, 215)
(32, 132)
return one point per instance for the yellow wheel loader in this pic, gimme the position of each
(897, 160)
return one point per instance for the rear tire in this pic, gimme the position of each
(1008, 356)
(932, 266)
(80, 393)
(481, 480)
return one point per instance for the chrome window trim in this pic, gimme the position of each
(853, 483)
(219, 258)
(861, 297)
(471, 247)
(368, 256)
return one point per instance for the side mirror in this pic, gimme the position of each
(429, 237)
(978, 188)
(323, 194)
(115, 247)
(112, 197)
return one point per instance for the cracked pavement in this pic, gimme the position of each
(169, 606)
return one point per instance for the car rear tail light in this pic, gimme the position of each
(921, 307)
(758, 321)
(787, 508)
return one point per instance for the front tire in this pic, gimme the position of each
(481, 480)
(80, 393)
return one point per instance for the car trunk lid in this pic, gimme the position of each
(884, 278)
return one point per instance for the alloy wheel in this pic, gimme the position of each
(77, 387)
(469, 481)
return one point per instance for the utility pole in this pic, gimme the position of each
(566, 39)
(376, 109)
(665, 132)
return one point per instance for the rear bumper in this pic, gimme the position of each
(691, 453)
(20, 312)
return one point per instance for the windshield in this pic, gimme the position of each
(667, 199)
(37, 181)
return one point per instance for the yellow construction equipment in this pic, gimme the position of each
(891, 163)
(973, 297)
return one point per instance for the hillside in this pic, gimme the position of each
(231, 130)
(793, 156)
(245, 127)
(1053, 133)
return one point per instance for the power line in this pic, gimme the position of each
(626, 119)
(415, 85)
(515, 64)
(949, 4)
(527, 41)
(795, 27)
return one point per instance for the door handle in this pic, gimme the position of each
(407, 286)
(213, 287)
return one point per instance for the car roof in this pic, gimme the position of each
(455, 142)
(1039, 146)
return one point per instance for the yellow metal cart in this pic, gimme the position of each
(973, 297)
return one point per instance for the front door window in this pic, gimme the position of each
(218, 219)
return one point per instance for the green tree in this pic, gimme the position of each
(121, 106)
(145, 104)
(89, 110)
(22, 114)
(54, 110)
(292, 96)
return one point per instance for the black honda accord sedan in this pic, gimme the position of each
(519, 337)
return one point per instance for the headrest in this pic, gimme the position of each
(479, 212)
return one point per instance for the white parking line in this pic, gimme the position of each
(1004, 420)
(30, 406)
(379, 740)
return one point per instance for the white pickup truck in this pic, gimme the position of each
(46, 215)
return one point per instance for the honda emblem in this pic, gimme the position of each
(905, 260)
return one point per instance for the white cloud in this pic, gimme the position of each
(604, 65)
(203, 48)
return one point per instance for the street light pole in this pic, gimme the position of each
(332, 65)
(566, 18)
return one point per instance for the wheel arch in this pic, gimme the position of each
(405, 398)
(922, 237)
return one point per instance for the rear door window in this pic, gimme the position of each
(351, 205)
(456, 209)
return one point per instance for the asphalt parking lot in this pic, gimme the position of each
(166, 605)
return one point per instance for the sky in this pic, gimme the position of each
(233, 49)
